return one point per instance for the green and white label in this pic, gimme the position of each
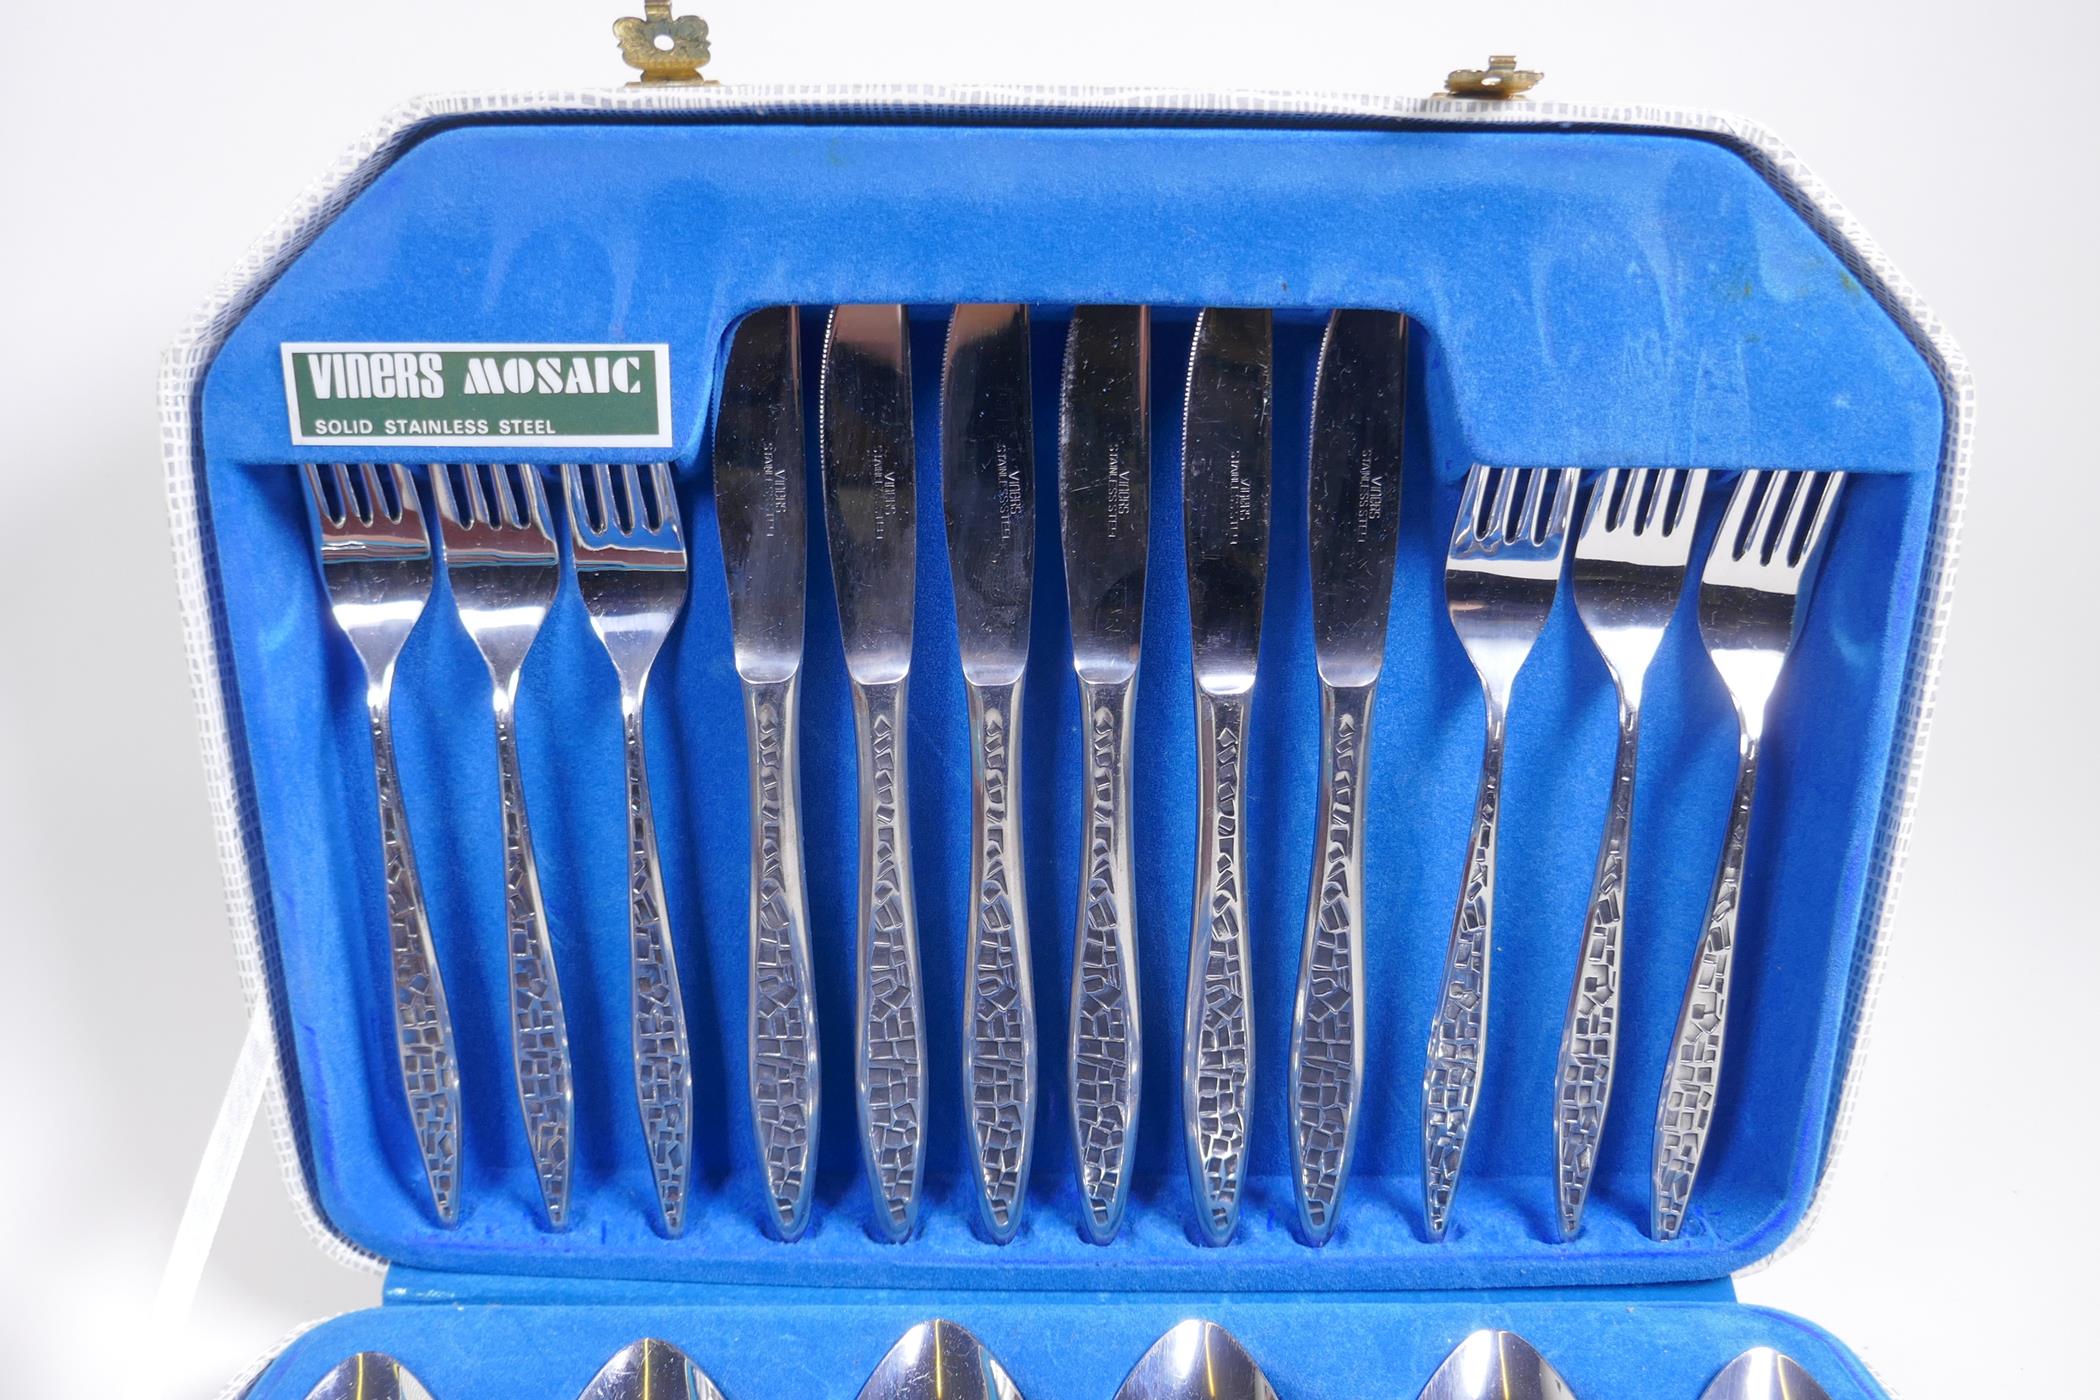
(478, 395)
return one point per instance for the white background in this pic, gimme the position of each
(144, 146)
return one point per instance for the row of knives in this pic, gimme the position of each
(1194, 1360)
(1502, 572)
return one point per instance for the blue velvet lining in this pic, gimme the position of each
(1582, 298)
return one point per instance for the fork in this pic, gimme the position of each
(630, 570)
(1499, 580)
(504, 569)
(1628, 573)
(1748, 617)
(376, 565)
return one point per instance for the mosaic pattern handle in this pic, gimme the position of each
(1217, 1068)
(1106, 1050)
(663, 1065)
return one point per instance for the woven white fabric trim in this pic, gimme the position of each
(182, 367)
(250, 1374)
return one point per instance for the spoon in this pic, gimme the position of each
(650, 1370)
(1494, 1365)
(369, 1375)
(1196, 1360)
(939, 1360)
(1764, 1374)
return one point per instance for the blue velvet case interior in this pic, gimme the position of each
(1580, 298)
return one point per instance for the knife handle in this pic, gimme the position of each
(539, 1030)
(1327, 1027)
(1106, 1051)
(890, 1057)
(422, 1021)
(1458, 1034)
(783, 1014)
(1684, 1113)
(999, 1022)
(1217, 1063)
(663, 1064)
(1589, 1038)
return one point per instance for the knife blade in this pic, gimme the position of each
(988, 490)
(1225, 529)
(871, 514)
(761, 511)
(1353, 534)
(1104, 510)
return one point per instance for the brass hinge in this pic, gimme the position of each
(663, 49)
(1500, 81)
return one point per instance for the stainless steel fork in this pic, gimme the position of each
(1748, 619)
(630, 569)
(1499, 580)
(376, 563)
(1628, 573)
(504, 569)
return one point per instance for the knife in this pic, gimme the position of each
(1104, 495)
(760, 507)
(988, 489)
(1764, 1374)
(1353, 524)
(369, 1375)
(1225, 530)
(653, 1369)
(864, 405)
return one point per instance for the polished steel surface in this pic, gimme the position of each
(1491, 1365)
(871, 518)
(1225, 530)
(1353, 523)
(376, 564)
(1764, 1374)
(988, 492)
(939, 1360)
(1628, 573)
(629, 548)
(1765, 548)
(761, 507)
(1499, 579)
(650, 1369)
(1196, 1360)
(369, 1375)
(504, 568)
(1104, 512)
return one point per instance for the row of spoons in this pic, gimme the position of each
(1195, 1360)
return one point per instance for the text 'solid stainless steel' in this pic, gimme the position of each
(504, 568)
(650, 1370)
(761, 507)
(871, 513)
(376, 564)
(1629, 571)
(1499, 578)
(1104, 508)
(939, 1361)
(1748, 618)
(629, 549)
(1491, 1365)
(1764, 1374)
(988, 490)
(1353, 529)
(1196, 1360)
(1225, 525)
(369, 1375)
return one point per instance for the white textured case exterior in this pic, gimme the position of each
(183, 366)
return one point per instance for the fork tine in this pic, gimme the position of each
(666, 496)
(505, 504)
(1532, 505)
(1466, 530)
(1564, 482)
(1735, 520)
(1646, 495)
(316, 494)
(1811, 532)
(579, 504)
(535, 502)
(476, 493)
(1498, 510)
(1596, 516)
(407, 505)
(635, 510)
(441, 489)
(1687, 489)
(375, 499)
(608, 503)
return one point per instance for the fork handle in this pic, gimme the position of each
(663, 1066)
(1684, 1113)
(1327, 1041)
(1217, 1066)
(1590, 1035)
(783, 1030)
(422, 1021)
(1105, 1053)
(890, 1056)
(999, 1022)
(1458, 1034)
(539, 1031)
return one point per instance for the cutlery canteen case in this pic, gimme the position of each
(1590, 287)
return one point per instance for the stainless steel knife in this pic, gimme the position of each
(1104, 486)
(988, 490)
(1353, 525)
(1225, 528)
(870, 514)
(761, 509)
